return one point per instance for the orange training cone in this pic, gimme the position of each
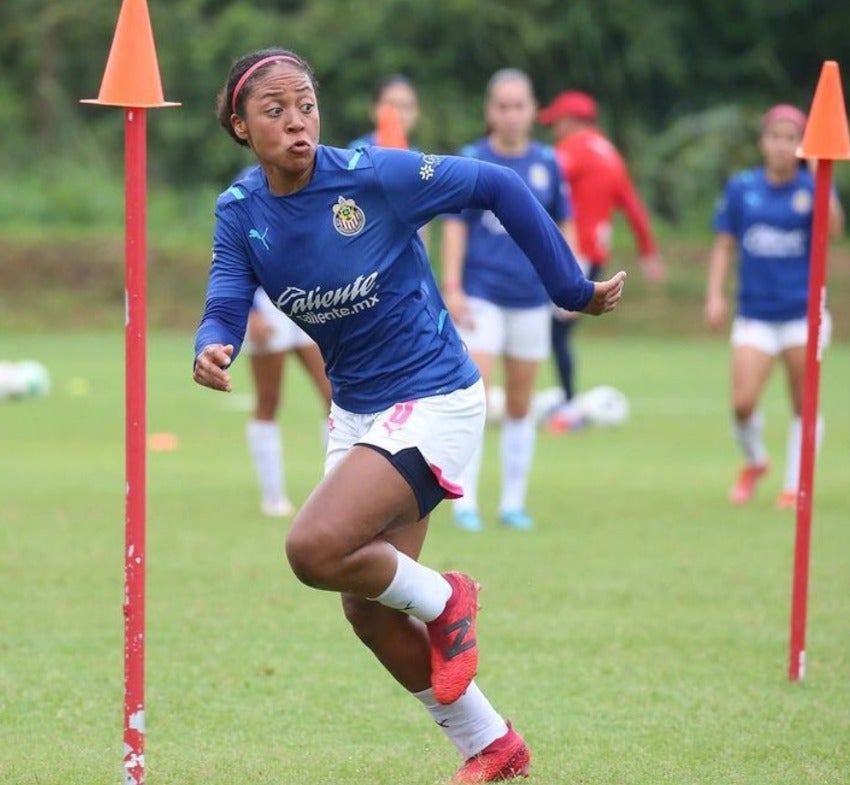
(826, 135)
(389, 132)
(131, 78)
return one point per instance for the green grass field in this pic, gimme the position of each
(637, 636)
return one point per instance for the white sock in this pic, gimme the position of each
(416, 589)
(470, 723)
(792, 455)
(266, 448)
(469, 481)
(517, 452)
(749, 436)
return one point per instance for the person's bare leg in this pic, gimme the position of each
(337, 543)
(335, 540)
(751, 368)
(520, 376)
(795, 369)
(399, 641)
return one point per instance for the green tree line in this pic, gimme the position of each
(681, 84)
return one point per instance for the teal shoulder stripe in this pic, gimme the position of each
(236, 192)
(352, 163)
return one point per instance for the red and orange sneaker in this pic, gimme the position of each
(787, 500)
(454, 648)
(504, 759)
(745, 486)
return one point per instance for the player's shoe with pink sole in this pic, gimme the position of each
(504, 759)
(454, 648)
(745, 486)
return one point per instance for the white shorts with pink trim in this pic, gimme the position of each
(444, 428)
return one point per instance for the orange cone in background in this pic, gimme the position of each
(131, 77)
(826, 135)
(389, 132)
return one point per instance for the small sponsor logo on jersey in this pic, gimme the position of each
(538, 177)
(349, 219)
(318, 306)
(801, 201)
(765, 240)
(429, 164)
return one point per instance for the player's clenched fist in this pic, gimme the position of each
(606, 294)
(210, 367)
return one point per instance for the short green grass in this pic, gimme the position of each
(637, 636)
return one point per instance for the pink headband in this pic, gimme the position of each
(785, 112)
(259, 64)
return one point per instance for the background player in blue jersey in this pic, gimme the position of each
(494, 294)
(397, 91)
(331, 236)
(766, 213)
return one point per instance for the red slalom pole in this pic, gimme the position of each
(131, 80)
(135, 257)
(817, 298)
(825, 140)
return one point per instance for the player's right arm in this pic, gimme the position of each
(637, 215)
(230, 293)
(455, 235)
(725, 224)
(718, 266)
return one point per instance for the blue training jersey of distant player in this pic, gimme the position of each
(343, 259)
(495, 269)
(772, 225)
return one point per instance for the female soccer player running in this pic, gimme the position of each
(495, 295)
(767, 214)
(331, 235)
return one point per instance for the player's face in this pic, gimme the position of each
(281, 124)
(510, 111)
(779, 143)
(402, 98)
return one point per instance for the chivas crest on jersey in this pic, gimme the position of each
(349, 219)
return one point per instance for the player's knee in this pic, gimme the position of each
(309, 560)
(743, 409)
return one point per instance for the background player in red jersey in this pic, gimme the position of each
(599, 184)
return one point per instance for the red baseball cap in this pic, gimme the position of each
(572, 103)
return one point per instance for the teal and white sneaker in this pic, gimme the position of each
(468, 520)
(515, 519)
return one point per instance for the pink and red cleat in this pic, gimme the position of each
(745, 486)
(504, 759)
(454, 648)
(454, 663)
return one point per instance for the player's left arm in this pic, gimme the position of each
(503, 191)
